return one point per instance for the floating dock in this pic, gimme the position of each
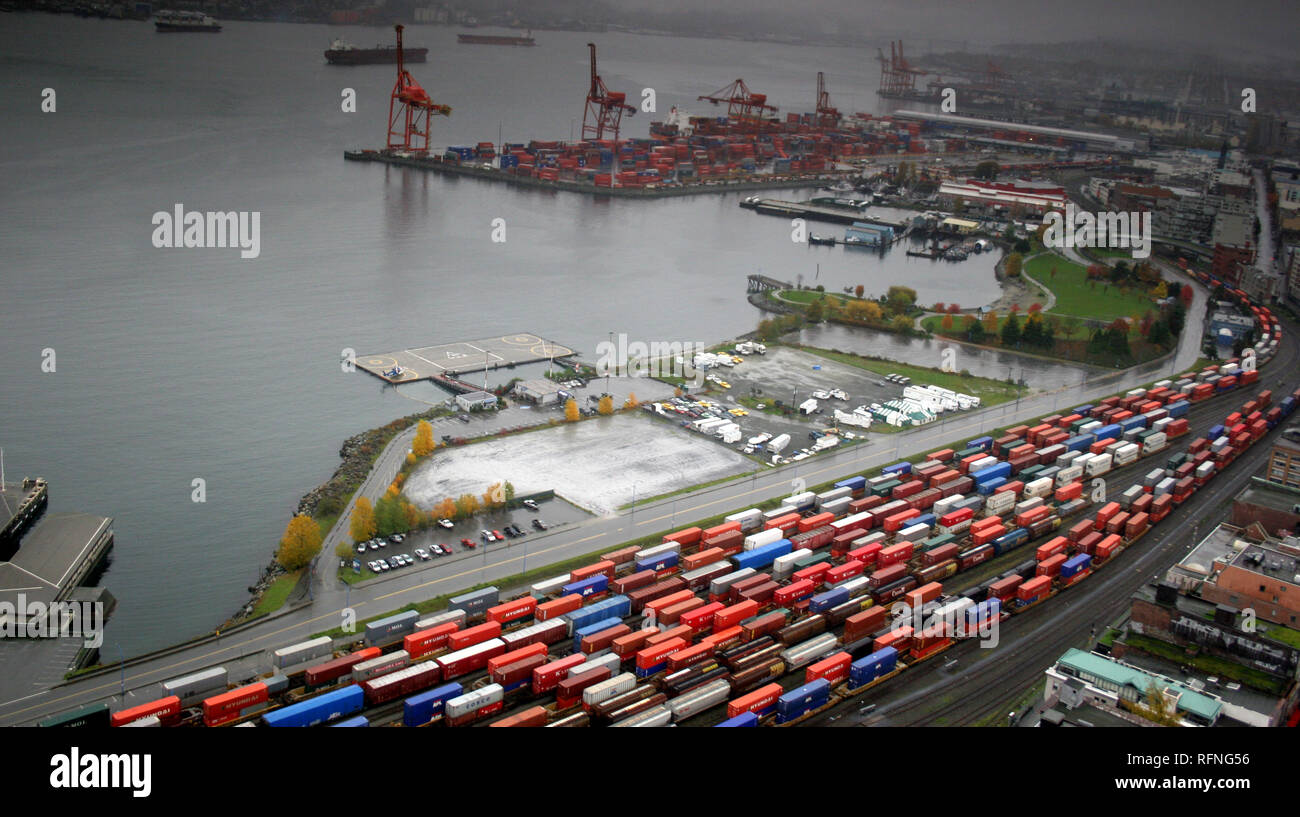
(818, 212)
(444, 362)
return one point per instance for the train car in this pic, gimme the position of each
(403, 682)
(390, 630)
(474, 705)
(331, 671)
(532, 717)
(91, 716)
(321, 709)
(232, 705)
(166, 710)
(191, 689)
(289, 657)
(475, 603)
(382, 665)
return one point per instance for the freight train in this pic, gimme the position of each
(775, 614)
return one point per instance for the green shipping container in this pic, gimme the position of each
(884, 488)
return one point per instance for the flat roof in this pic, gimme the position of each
(1270, 495)
(1123, 675)
(51, 554)
(971, 121)
(540, 386)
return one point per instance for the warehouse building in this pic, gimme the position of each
(540, 392)
(1074, 139)
(476, 400)
(1108, 681)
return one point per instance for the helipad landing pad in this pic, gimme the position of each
(454, 359)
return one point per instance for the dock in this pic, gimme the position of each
(445, 362)
(817, 212)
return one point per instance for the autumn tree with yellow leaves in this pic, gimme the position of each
(362, 523)
(300, 543)
(606, 404)
(423, 444)
(571, 410)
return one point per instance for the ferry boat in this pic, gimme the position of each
(178, 21)
(342, 52)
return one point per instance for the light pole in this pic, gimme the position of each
(122, 665)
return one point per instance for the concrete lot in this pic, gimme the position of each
(598, 464)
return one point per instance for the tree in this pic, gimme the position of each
(510, 492)
(1032, 332)
(859, 290)
(571, 410)
(864, 311)
(343, 550)
(466, 506)
(986, 170)
(412, 516)
(1012, 265)
(1035, 308)
(991, 322)
(300, 543)
(814, 312)
(446, 509)
(605, 405)
(939, 306)
(1159, 334)
(1161, 291)
(410, 458)
(954, 309)
(631, 402)
(389, 516)
(362, 523)
(900, 298)
(1148, 320)
(1011, 331)
(947, 323)
(1098, 271)
(423, 444)
(900, 323)
(974, 329)
(1156, 708)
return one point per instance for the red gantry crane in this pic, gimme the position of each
(827, 116)
(605, 108)
(410, 109)
(744, 108)
(897, 76)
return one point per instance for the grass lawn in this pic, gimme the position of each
(1207, 663)
(807, 296)
(990, 392)
(273, 598)
(1077, 296)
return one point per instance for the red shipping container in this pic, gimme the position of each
(865, 623)
(941, 456)
(731, 542)
(843, 572)
(1052, 547)
(1034, 588)
(788, 522)
(895, 554)
(756, 701)
(424, 642)
(1066, 421)
(943, 476)
(626, 646)
(685, 538)
(815, 521)
(562, 605)
(165, 709)
(868, 554)
(1107, 548)
(1088, 544)
(895, 521)
(1105, 513)
(1013, 487)
(900, 639)
(653, 606)
(1026, 518)
(473, 635)
(507, 658)
(568, 692)
(907, 489)
(733, 615)
(834, 669)
(704, 557)
(1081, 529)
(658, 654)
(885, 575)
(672, 614)
(635, 581)
(1051, 566)
(701, 618)
(940, 554)
(745, 584)
(760, 593)
(1136, 524)
(518, 609)
(1065, 493)
(794, 592)
(1004, 589)
(718, 530)
(724, 639)
(924, 594)
(690, 655)
(762, 625)
(985, 535)
(621, 556)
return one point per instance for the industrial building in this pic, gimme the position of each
(1026, 135)
(1085, 677)
(1036, 196)
(539, 392)
(476, 400)
(1284, 464)
(1244, 568)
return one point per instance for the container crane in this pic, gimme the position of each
(410, 110)
(605, 108)
(744, 108)
(827, 116)
(897, 76)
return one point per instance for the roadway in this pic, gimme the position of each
(245, 652)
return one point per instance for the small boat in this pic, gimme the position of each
(813, 238)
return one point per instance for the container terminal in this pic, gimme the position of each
(749, 147)
(773, 617)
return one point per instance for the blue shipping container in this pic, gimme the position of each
(418, 710)
(1079, 443)
(657, 562)
(619, 606)
(825, 601)
(1137, 421)
(359, 720)
(1075, 565)
(1111, 431)
(1001, 469)
(1082, 411)
(592, 629)
(855, 484)
(801, 700)
(927, 519)
(1215, 432)
(988, 488)
(1178, 409)
(320, 709)
(761, 556)
(897, 468)
(984, 443)
(743, 719)
(587, 587)
(865, 670)
(1010, 540)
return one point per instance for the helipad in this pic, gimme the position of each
(455, 359)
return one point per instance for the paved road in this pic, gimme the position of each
(245, 653)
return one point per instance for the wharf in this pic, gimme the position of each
(444, 362)
(783, 181)
(818, 212)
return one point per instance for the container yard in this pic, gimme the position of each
(751, 146)
(772, 617)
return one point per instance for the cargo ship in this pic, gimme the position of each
(345, 53)
(179, 21)
(486, 39)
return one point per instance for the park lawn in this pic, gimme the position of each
(1077, 296)
(273, 598)
(807, 296)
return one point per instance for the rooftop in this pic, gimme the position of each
(54, 556)
(1124, 675)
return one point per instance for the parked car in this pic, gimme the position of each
(361, 548)
(464, 418)
(530, 504)
(424, 554)
(446, 523)
(398, 538)
(496, 534)
(374, 545)
(539, 524)
(486, 536)
(469, 543)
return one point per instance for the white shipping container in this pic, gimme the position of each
(471, 701)
(809, 651)
(1205, 470)
(946, 504)
(1156, 442)
(866, 539)
(763, 537)
(913, 533)
(541, 590)
(653, 717)
(1134, 493)
(1153, 477)
(1101, 464)
(749, 520)
(699, 699)
(783, 566)
(1040, 487)
(611, 688)
(1068, 474)
(659, 550)
(1000, 503)
(723, 583)
(609, 661)
(800, 501)
(837, 506)
(1164, 486)
(830, 496)
(856, 585)
(1029, 504)
(777, 513)
(1126, 453)
(458, 616)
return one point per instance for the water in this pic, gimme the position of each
(176, 365)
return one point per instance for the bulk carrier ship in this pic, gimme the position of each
(344, 53)
(487, 39)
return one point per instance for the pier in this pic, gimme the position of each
(818, 212)
(443, 363)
